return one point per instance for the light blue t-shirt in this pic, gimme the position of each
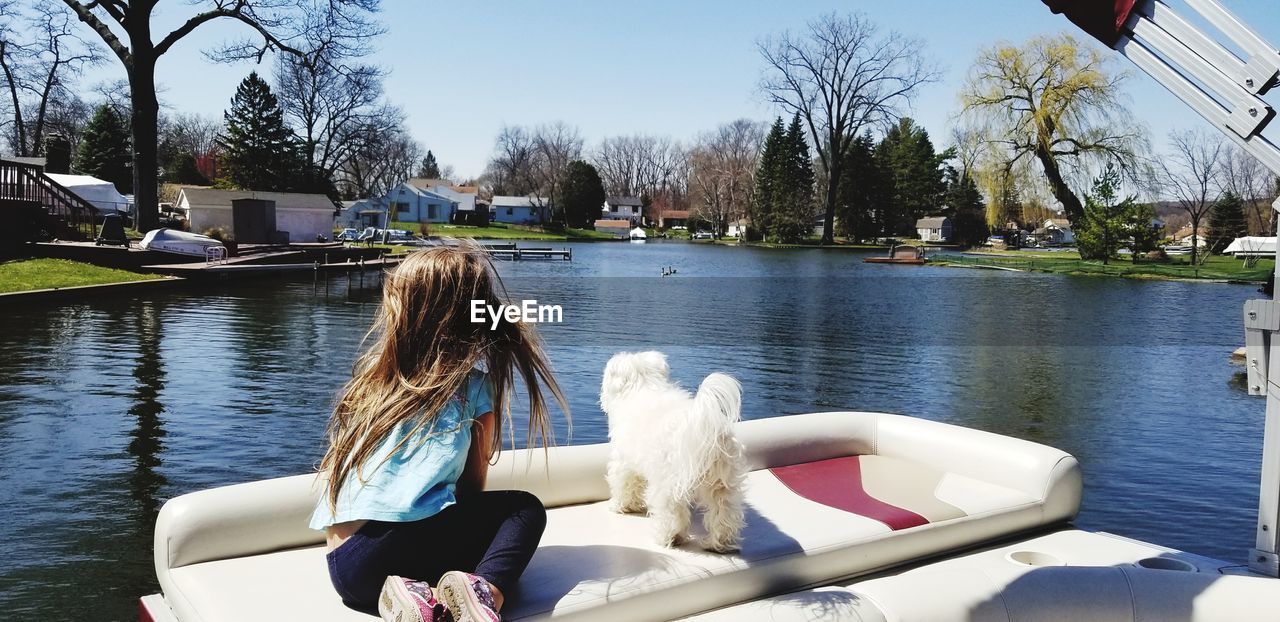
(418, 480)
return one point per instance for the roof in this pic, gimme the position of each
(675, 213)
(40, 162)
(427, 182)
(501, 201)
(287, 200)
(613, 224)
(621, 200)
(932, 222)
(1061, 223)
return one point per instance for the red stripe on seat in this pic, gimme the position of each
(837, 483)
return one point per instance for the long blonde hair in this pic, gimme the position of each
(424, 346)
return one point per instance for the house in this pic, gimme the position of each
(363, 213)
(934, 229)
(630, 209)
(466, 197)
(1183, 236)
(738, 228)
(530, 210)
(409, 203)
(1060, 230)
(303, 217)
(673, 219)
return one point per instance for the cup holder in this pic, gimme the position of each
(1034, 558)
(1166, 563)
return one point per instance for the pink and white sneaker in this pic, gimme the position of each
(467, 597)
(406, 600)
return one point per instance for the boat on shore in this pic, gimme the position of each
(182, 243)
(638, 235)
(901, 254)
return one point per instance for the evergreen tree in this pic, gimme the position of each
(581, 195)
(104, 150)
(1144, 236)
(769, 178)
(1226, 222)
(793, 213)
(259, 152)
(915, 176)
(965, 208)
(1107, 219)
(429, 169)
(861, 191)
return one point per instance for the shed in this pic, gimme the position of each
(934, 229)
(302, 216)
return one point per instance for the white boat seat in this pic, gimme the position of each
(833, 495)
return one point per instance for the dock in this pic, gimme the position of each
(515, 253)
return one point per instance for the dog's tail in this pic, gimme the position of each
(709, 429)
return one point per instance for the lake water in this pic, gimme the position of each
(110, 407)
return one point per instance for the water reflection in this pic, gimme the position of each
(146, 445)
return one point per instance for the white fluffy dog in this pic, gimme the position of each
(672, 450)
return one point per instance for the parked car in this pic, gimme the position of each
(370, 234)
(702, 235)
(347, 235)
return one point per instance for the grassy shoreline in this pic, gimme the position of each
(24, 275)
(1216, 268)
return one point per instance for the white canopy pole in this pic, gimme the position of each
(1224, 89)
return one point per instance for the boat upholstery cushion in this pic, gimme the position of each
(831, 496)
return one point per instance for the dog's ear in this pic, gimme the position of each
(619, 374)
(654, 363)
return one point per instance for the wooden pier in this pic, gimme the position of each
(515, 253)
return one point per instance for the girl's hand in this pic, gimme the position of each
(476, 472)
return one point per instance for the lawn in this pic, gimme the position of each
(1221, 268)
(503, 231)
(29, 274)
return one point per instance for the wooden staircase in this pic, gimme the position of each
(30, 200)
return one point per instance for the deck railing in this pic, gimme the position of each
(67, 215)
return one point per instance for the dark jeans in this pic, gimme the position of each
(490, 534)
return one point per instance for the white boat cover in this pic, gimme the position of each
(178, 242)
(831, 496)
(101, 193)
(638, 234)
(1252, 245)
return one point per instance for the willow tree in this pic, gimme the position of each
(125, 26)
(1058, 103)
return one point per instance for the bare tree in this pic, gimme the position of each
(555, 145)
(383, 159)
(842, 75)
(1192, 174)
(511, 170)
(39, 68)
(1250, 180)
(641, 165)
(1056, 102)
(125, 26)
(332, 103)
(722, 172)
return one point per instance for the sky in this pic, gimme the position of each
(463, 69)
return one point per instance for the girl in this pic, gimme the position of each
(411, 440)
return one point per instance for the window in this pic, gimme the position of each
(635, 210)
(431, 212)
(399, 207)
(508, 211)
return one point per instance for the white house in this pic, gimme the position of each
(530, 210)
(363, 213)
(1058, 231)
(630, 209)
(303, 216)
(409, 203)
(934, 229)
